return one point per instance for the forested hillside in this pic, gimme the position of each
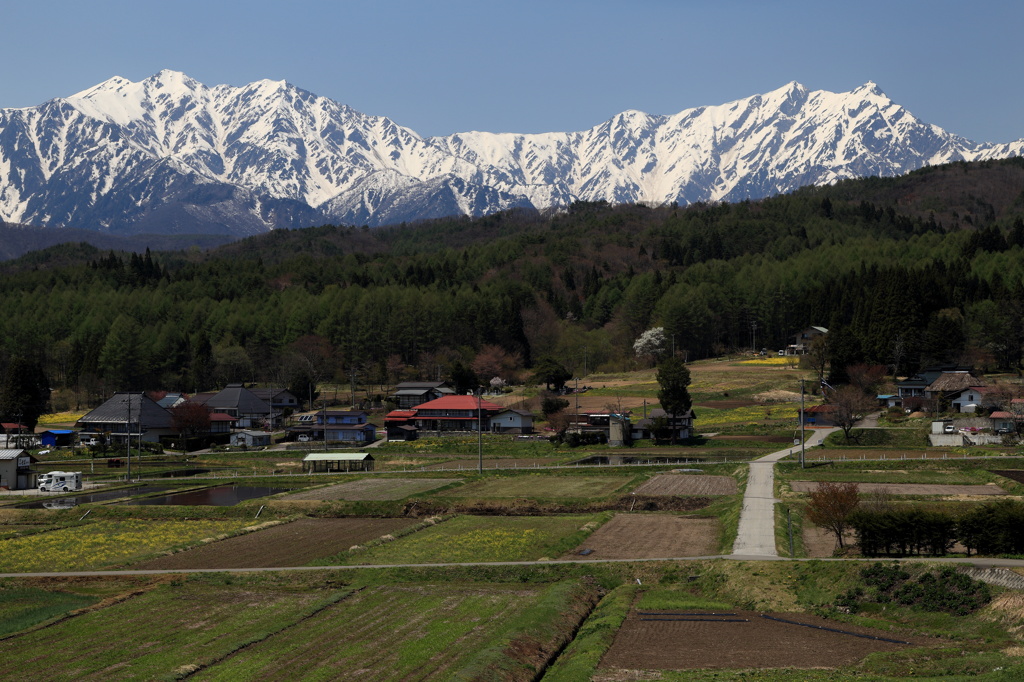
(923, 268)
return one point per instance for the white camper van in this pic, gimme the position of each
(60, 481)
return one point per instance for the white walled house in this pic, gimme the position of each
(512, 421)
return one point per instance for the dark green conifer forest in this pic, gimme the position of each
(905, 271)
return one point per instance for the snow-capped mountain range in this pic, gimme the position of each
(171, 155)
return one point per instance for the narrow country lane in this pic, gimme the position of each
(756, 536)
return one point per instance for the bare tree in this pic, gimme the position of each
(817, 355)
(830, 506)
(848, 407)
(866, 377)
(898, 353)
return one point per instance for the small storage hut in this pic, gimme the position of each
(325, 462)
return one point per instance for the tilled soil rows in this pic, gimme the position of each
(688, 484)
(739, 639)
(290, 544)
(1012, 474)
(650, 536)
(909, 488)
(372, 489)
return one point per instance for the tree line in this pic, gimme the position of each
(899, 281)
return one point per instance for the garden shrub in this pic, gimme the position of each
(945, 590)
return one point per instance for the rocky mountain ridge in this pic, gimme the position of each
(169, 155)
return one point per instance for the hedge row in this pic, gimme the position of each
(994, 528)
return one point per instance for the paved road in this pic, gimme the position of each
(756, 536)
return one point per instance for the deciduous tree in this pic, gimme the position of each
(190, 419)
(849, 404)
(831, 505)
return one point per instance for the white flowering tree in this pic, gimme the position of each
(650, 344)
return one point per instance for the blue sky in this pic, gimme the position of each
(447, 66)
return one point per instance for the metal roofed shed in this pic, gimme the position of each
(15, 473)
(326, 462)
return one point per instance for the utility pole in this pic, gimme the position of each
(128, 437)
(479, 431)
(576, 418)
(802, 439)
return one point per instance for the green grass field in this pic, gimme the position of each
(23, 607)
(161, 633)
(480, 538)
(399, 632)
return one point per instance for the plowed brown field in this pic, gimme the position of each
(650, 536)
(688, 484)
(290, 544)
(742, 639)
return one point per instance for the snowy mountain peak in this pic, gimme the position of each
(169, 154)
(869, 88)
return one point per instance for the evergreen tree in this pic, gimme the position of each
(674, 379)
(24, 391)
(122, 361)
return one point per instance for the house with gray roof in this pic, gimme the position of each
(679, 427)
(279, 398)
(409, 394)
(129, 413)
(241, 403)
(512, 421)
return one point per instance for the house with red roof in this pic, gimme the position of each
(456, 413)
(401, 425)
